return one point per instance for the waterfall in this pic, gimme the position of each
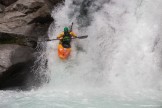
(122, 52)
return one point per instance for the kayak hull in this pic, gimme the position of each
(63, 53)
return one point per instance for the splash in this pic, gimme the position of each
(122, 52)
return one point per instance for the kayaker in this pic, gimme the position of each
(66, 37)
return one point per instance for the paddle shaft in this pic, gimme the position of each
(79, 37)
(71, 28)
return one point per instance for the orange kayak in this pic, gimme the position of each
(63, 53)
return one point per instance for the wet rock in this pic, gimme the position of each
(19, 77)
(13, 54)
(7, 2)
(20, 18)
(10, 38)
(22, 22)
(16, 68)
(52, 3)
(2, 7)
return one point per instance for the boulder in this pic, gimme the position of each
(13, 54)
(22, 22)
(7, 2)
(52, 3)
(17, 68)
(26, 17)
(19, 77)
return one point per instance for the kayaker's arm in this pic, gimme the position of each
(73, 34)
(60, 35)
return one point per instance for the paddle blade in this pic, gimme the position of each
(82, 37)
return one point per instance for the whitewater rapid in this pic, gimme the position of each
(122, 51)
(117, 66)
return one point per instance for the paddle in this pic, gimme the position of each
(71, 28)
(79, 37)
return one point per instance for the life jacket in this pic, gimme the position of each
(66, 38)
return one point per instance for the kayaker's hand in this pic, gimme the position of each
(59, 37)
(74, 36)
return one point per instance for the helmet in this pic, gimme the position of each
(66, 29)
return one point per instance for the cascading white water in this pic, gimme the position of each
(121, 51)
(117, 66)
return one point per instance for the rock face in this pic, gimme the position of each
(52, 3)
(14, 54)
(15, 66)
(26, 17)
(7, 2)
(21, 20)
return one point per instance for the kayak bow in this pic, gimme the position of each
(63, 53)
